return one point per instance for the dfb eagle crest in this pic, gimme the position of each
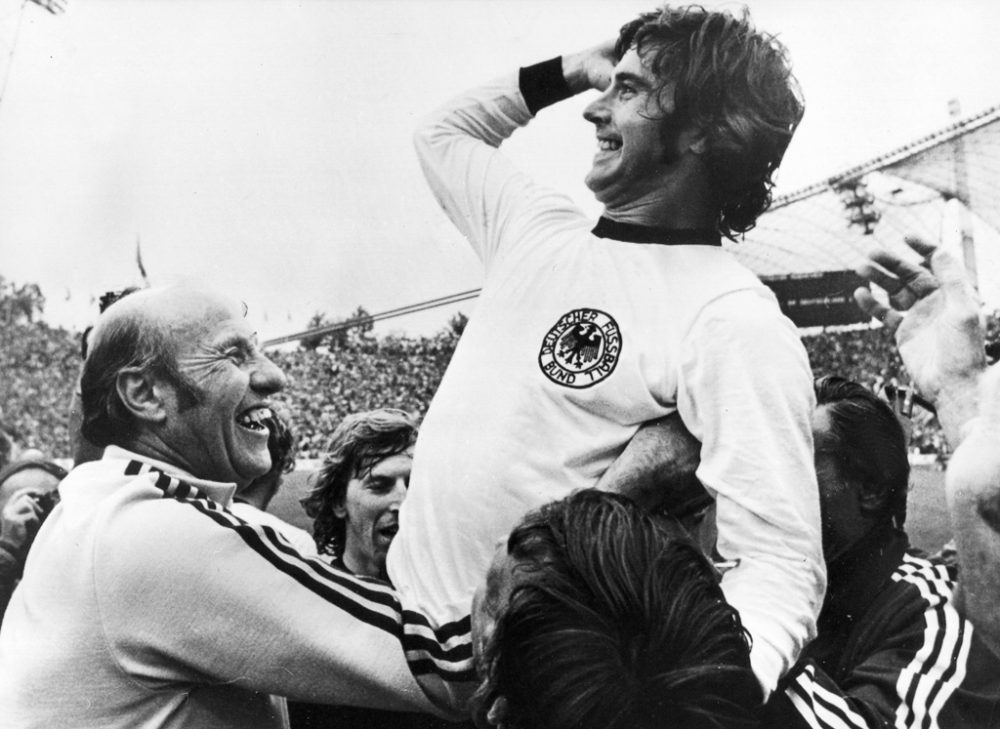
(581, 349)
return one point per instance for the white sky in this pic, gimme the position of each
(264, 146)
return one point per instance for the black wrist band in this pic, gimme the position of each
(543, 84)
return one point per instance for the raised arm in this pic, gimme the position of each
(487, 198)
(934, 313)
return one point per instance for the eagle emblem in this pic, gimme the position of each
(581, 349)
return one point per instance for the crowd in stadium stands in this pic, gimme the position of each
(361, 374)
(39, 365)
(365, 372)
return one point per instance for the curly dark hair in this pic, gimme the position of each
(359, 443)
(732, 82)
(616, 620)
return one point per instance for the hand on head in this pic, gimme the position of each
(591, 68)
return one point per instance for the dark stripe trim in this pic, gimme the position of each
(799, 689)
(834, 709)
(949, 673)
(344, 593)
(543, 84)
(133, 468)
(634, 233)
(163, 483)
(920, 569)
(252, 538)
(462, 626)
(425, 667)
(300, 569)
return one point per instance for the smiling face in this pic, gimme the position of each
(214, 416)
(637, 142)
(370, 510)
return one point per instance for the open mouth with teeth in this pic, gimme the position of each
(255, 419)
(609, 145)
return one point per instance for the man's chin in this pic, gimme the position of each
(599, 187)
(252, 468)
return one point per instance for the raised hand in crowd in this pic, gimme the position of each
(935, 314)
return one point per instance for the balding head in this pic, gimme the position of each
(143, 336)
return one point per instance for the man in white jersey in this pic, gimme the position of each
(584, 333)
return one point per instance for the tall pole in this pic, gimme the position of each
(962, 193)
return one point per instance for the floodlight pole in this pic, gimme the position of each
(962, 193)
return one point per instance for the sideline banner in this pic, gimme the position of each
(821, 299)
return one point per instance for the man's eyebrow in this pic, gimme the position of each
(632, 78)
(235, 340)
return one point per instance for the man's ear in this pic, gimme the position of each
(340, 509)
(141, 394)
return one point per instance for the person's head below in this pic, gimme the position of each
(281, 444)
(702, 105)
(861, 463)
(355, 500)
(595, 613)
(39, 476)
(175, 374)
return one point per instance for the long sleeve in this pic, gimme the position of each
(203, 596)
(487, 198)
(745, 390)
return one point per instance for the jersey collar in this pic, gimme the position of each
(634, 233)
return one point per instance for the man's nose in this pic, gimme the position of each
(266, 377)
(399, 490)
(597, 111)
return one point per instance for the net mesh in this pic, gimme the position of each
(932, 187)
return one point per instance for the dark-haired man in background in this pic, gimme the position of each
(355, 500)
(584, 333)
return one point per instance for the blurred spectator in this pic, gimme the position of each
(251, 501)
(27, 495)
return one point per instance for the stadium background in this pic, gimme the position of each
(943, 185)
